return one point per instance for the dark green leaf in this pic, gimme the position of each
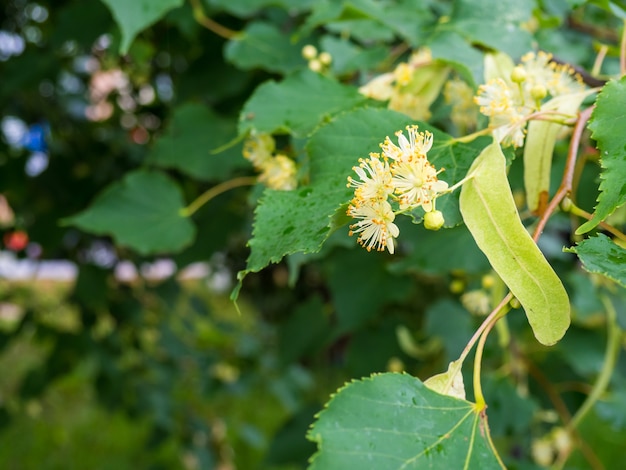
(601, 255)
(297, 104)
(190, 140)
(607, 127)
(136, 15)
(402, 425)
(263, 45)
(494, 23)
(141, 212)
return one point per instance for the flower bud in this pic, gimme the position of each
(315, 65)
(309, 52)
(518, 74)
(325, 58)
(538, 92)
(433, 220)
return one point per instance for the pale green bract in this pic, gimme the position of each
(490, 214)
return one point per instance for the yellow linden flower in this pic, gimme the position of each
(416, 183)
(375, 226)
(279, 173)
(461, 96)
(380, 88)
(403, 74)
(258, 148)
(375, 180)
(417, 145)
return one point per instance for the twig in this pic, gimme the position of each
(208, 23)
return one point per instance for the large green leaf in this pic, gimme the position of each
(141, 212)
(601, 255)
(394, 422)
(263, 45)
(136, 15)
(297, 104)
(493, 23)
(607, 127)
(489, 212)
(299, 221)
(190, 139)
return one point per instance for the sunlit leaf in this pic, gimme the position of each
(136, 15)
(393, 421)
(607, 128)
(141, 212)
(601, 255)
(490, 214)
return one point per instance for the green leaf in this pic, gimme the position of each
(539, 147)
(190, 139)
(348, 57)
(297, 104)
(494, 23)
(247, 8)
(607, 128)
(141, 212)
(263, 45)
(489, 212)
(392, 421)
(134, 16)
(601, 255)
(450, 47)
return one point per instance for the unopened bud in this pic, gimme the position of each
(325, 58)
(315, 65)
(433, 220)
(457, 286)
(518, 74)
(488, 281)
(309, 52)
(566, 204)
(514, 303)
(538, 92)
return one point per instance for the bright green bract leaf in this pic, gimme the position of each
(141, 212)
(297, 104)
(133, 16)
(539, 148)
(601, 255)
(448, 383)
(264, 46)
(190, 140)
(393, 421)
(489, 212)
(607, 127)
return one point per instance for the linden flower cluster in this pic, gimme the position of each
(509, 103)
(278, 171)
(403, 175)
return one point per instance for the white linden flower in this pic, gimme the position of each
(375, 180)
(375, 227)
(496, 97)
(417, 145)
(416, 183)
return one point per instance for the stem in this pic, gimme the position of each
(622, 51)
(484, 325)
(574, 209)
(613, 347)
(208, 23)
(216, 191)
(568, 175)
(471, 137)
(597, 64)
(499, 311)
